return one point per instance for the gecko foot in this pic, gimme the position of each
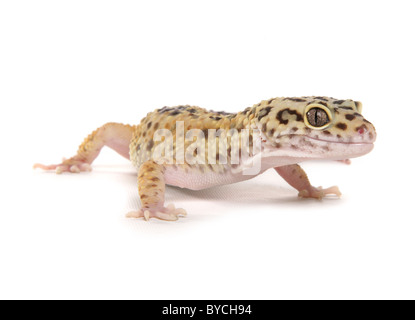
(319, 193)
(169, 213)
(67, 165)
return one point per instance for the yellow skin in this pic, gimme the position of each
(292, 130)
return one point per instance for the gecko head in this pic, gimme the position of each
(316, 127)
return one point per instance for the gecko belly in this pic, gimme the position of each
(204, 177)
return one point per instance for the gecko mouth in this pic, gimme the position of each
(341, 142)
(342, 149)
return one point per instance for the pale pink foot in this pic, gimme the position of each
(67, 165)
(319, 193)
(169, 213)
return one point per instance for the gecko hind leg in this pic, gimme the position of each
(151, 188)
(117, 136)
(297, 178)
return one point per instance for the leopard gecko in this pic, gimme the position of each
(197, 149)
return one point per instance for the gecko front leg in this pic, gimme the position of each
(297, 178)
(151, 187)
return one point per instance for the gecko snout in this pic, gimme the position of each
(366, 131)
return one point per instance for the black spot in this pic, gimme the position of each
(205, 133)
(281, 112)
(346, 108)
(264, 127)
(327, 132)
(156, 125)
(149, 125)
(222, 113)
(271, 132)
(175, 113)
(192, 110)
(264, 112)
(295, 99)
(357, 114)
(321, 98)
(215, 118)
(246, 110)
(338, 101)
(150, 145)
(323, 103)
(294, 129)
(165, 109)
(350, 117)
(270, 100)
(341, 126)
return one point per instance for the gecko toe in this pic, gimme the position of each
(74, 169)
(169, 213)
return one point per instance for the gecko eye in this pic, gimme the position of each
(317, 117)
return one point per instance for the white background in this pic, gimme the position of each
(68, 67)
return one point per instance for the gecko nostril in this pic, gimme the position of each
(362, 129)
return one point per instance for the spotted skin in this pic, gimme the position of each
(288, 136)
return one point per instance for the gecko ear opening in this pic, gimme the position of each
(358, 106)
